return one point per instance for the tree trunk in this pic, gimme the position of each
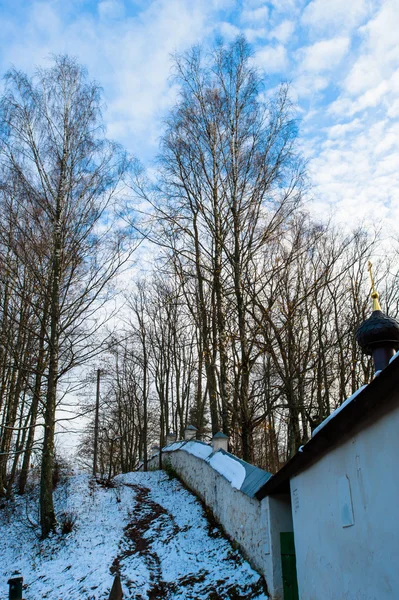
(47, 514)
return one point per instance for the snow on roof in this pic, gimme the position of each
(394, 356)
(198, 449)
(230, 468)
(172, 447)
(337, 410)
(242, 476)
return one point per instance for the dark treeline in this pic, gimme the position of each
(246, 324)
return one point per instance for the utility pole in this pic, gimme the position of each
(96, 424)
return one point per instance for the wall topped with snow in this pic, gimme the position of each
(241, 475)
(227, 485)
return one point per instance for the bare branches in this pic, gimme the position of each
(62, 196)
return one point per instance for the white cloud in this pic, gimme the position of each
(287, 6)
(251, 4)
(272, 59)
(384, 94)
(364, 74)
(339, 131)
(228, 31)
(283, 32)
(255, 15)
(254, 34)
(328, 16)
(324, 55)
(356, 171)
(393, 110)
(378, 53)
(306, 85)
(111, 9)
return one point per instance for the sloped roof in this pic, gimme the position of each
(255, 477)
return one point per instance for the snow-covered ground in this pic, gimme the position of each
(148, 529)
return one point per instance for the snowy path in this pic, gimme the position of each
(148, 529)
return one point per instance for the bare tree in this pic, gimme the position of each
(230, 177)
(68, 179)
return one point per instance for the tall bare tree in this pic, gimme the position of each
(68, 177)
(230, 177)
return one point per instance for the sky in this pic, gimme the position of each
(340, 56)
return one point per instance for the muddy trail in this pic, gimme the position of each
(152, 535)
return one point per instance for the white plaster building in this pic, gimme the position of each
(342, 487)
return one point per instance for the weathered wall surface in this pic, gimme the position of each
(345, 511)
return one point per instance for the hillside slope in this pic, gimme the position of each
(148, 528)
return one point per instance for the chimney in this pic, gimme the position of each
(190, 432)
(378, 336)
(170, 438)
(220, 441)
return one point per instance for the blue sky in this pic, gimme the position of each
(341, 57)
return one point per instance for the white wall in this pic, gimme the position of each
(245, 520)
(346, 518)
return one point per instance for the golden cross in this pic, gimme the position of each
(374, 293)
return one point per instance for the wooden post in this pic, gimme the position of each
(15, 592)
(116, 591)
(96, 419)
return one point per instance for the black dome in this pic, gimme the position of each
(378, 330)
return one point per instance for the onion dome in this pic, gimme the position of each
(378, 330)
(379, 334)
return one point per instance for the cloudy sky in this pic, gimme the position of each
(341, 57)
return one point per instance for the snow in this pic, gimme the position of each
(394, 357)
(149, 529)
(174, 446)
(230, 468)
(227, 466)
(337, 410)
(198, 449)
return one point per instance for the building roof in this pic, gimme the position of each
(243, 476)
(221, 436)
(378, 396)
(255, 478)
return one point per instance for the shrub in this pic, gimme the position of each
(67, 521)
